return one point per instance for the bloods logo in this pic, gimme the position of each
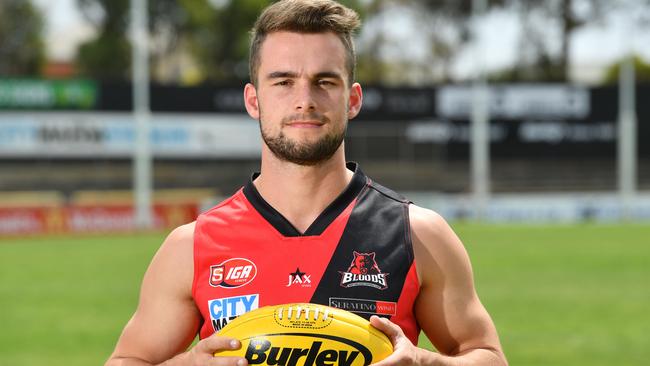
(232, 273)
(224, 310)
(364, 271)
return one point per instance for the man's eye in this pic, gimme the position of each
(325, 82)
(283, 83)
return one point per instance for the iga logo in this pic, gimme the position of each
(364, 271)
(232, 273)
(224, 310)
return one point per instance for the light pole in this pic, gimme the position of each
(627, 131)
(142, 182)
(480, 136)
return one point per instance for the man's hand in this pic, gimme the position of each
(203, 353)
(404, 352)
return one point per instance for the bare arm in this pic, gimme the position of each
(448, 308)
(166, 320)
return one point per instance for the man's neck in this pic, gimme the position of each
(301, 193)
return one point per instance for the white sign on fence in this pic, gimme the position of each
(93, 135)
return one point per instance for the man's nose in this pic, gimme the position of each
(305, 98)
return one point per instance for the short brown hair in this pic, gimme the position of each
(305, 16)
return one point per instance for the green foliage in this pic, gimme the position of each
(538, 61)
(560, 295)
(109, 55)
(446, 24)
(219, 37)
(222, 46)
(641, 68)
(22, 50)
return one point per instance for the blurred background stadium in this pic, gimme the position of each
(498, 114)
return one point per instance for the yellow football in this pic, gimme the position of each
(303, 334)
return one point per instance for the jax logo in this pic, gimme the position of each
(232, 273)
(364, 271)
(222, 311)
(299, 278)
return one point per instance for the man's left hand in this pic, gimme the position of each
(405, 353)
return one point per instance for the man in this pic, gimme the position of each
(308, 227)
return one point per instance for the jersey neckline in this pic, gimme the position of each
(331, 212)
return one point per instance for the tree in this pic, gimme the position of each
(220, 41)
(222, 44)
(446, 25)
(540, 20)
(547, 30)
(22, 50)
(209, 36)
(545, 22)
(108, 56)
(641, 68)
(178, 30)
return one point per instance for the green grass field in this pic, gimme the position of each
(560, 295)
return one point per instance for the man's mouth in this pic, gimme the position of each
(305, 124)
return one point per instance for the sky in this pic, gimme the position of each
(594, 48)
(65, 28)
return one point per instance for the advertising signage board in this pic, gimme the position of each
(48, 94)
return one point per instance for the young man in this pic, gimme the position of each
(309, 227)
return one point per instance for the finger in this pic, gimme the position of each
(393, 359)
(227, 361)
(216, 343)
(392, 330)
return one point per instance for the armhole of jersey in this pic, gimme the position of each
(408, 241)
(408, 237)
(195, 256)
(197, 238)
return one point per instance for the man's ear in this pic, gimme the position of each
(251, 102)
(355, 100)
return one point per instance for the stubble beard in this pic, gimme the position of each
(304, 153)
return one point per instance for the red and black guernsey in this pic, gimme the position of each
(357, 255)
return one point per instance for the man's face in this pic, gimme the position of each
(302, 99)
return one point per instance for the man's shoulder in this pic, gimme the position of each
(183, 233)
(422, 214)
(180, 240)
(438, 250)
(426, 223)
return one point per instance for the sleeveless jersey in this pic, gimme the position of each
(357, 255)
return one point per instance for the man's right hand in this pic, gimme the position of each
(203, 352)
(167, 319)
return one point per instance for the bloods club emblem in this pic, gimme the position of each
(364, 271)
(299, 278)
(232, 273)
